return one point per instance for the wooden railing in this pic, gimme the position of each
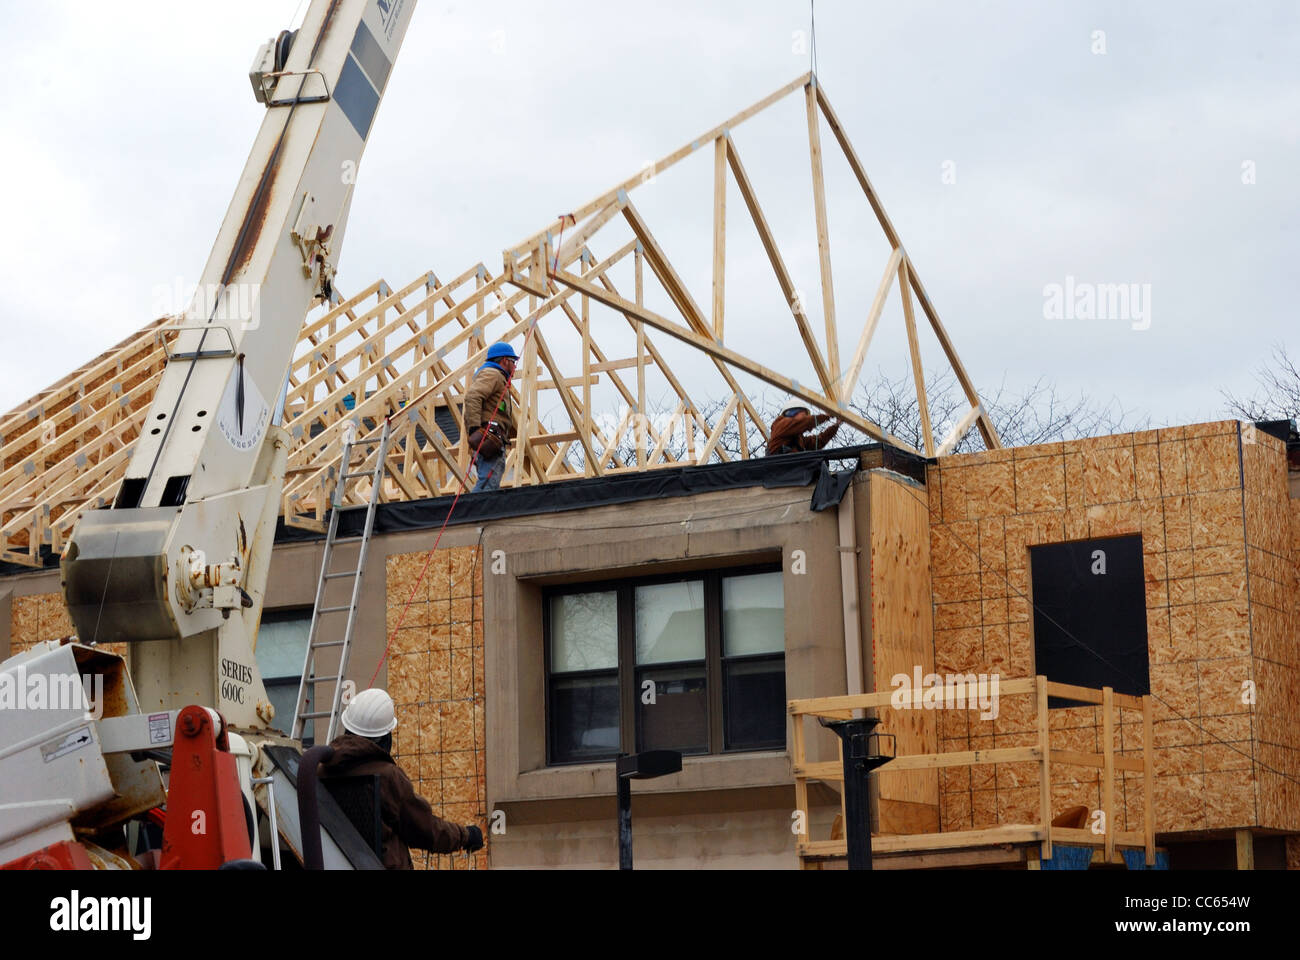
(1042, 753)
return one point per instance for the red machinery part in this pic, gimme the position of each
(206, 823)
(67, 855)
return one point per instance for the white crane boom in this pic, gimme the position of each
(181, 557)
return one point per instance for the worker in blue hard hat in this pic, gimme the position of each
(489, 418)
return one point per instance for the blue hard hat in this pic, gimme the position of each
(500, 350)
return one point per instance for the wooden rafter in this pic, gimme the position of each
(835, 384)
(408, 354)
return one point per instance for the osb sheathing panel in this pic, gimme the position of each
(899, 555)
(1273, 553)
(435, 676)
(1208, 539)
(39, 617)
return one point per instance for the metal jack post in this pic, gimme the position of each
(859, 761)
(638, 766)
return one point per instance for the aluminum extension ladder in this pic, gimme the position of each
(307, 686)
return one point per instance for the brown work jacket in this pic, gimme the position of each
(487, 388)
(406, 818)
(787, 435)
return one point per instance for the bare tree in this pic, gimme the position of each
(1278, 391)
(1038, 413)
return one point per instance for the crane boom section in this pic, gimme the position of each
(284, 225)
(183, 552)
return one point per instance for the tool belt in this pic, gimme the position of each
(489, 446)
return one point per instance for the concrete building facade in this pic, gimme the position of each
(914, 566)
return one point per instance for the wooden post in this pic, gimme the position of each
(904, 272)
(610, 196)
(529, 397)
(1108, 774)
(782, 273)
(800, 782)
(1148, 783)
(730, 357)
(985, 424)
(1245, 850)
(644, 421)
(823, 232)
(719, 231)
(1044, 772)
(676, 289)
(850, 379)
(579, 418)
(585, 426)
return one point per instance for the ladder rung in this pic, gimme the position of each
(332, 541)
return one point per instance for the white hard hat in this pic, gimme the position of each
(370, 714)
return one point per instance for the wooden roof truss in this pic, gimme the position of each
(409, 354)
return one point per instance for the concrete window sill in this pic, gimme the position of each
(768, 768)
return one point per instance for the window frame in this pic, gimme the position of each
(280, 615)
(624, 589)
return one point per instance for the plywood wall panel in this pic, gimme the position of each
(1221, 541)
(435, 675)
(903, 622)
(39, 617)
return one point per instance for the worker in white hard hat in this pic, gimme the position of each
(407, 819)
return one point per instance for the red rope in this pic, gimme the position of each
(446, 520)
(559, 243)
(424, 569)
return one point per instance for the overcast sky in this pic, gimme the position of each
(1014, 145)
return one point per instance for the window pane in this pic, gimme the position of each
(283, 695)
(678, 719)
(754, 703)
(584, 632)
(282, 645)
(584, 718)
(670, 622)
(753, 614)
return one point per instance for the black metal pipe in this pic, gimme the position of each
(857, 820)
(308, 808)
(624, 823)
(858, 764)
(638, 766)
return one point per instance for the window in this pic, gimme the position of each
(1090, 620)
(695, 664)
(281, 648)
